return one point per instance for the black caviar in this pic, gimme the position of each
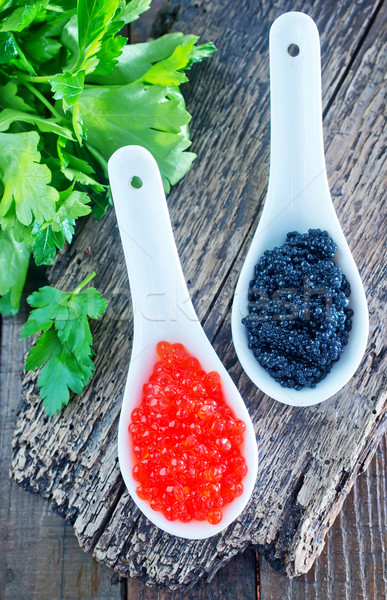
(299, 320)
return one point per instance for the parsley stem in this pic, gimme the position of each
(54, 8)
(43, 100)
(40, 78)
(23, 59)
(98, 157)
(84, 282)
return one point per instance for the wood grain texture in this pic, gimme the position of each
(235, 581)
(40, 558)
(309, 458)
(353, 565)
(140, 30)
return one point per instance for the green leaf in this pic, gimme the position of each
(9, 98)
(148, 116)
(50, 237)
(67, 228)
(49, 304)
(80, 177)
(137, 59)
(134, 9)
(69, 39)
(64, 348)
(23, 61)
(20, 232)
(200, 52)
(78, 125)
(91, 301)
(6, 307)
(168, 71)
(74, 206)
(42, 48)
(76, 169)
(60, 375)
(100, 203)
(48, 296)
(46, 243)
(75, 333)
(94, 17)
(25, 180)
(68, 87)
(8, 49)
(14, 261)
(22, 17)
(108, 48)
(40, 353)
(111, 49)
(9, 116)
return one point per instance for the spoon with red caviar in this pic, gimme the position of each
(186, 443)
(298, 199)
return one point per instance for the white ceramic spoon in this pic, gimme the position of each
(162, 311)
(298, 198)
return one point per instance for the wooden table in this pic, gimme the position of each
(40, 558)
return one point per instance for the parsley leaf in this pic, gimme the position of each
(93, 18)
(68, 86)
(134, 9)
(73, 204)
(9, 116)
(41, 48)
(137, 59)
(25, 179)
(111, 48)
(14, 260)
(8, 49)
(49, 237)
(59, 376)
(65, 344)
(169, 70)
(9, 97)
(22, 16)
(150, 116)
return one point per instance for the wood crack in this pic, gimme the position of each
(359, 48)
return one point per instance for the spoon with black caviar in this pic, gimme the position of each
(163, 312)
(304, 360)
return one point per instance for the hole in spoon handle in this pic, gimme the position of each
(297, 152)
(293, 50)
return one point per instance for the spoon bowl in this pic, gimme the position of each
(298, 199)
(163, 312)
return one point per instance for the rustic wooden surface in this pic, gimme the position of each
(309, 458)
(41, 559)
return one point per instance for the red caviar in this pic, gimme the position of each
(186, 440)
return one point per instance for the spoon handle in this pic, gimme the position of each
(297, 164)
(157, 284)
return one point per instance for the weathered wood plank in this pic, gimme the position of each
(140, 30)
(72, 458)
(353, 563)
(40, 558)
(355, 148)
(236, 581)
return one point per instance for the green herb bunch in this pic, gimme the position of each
(64, 347)
(72, 92)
